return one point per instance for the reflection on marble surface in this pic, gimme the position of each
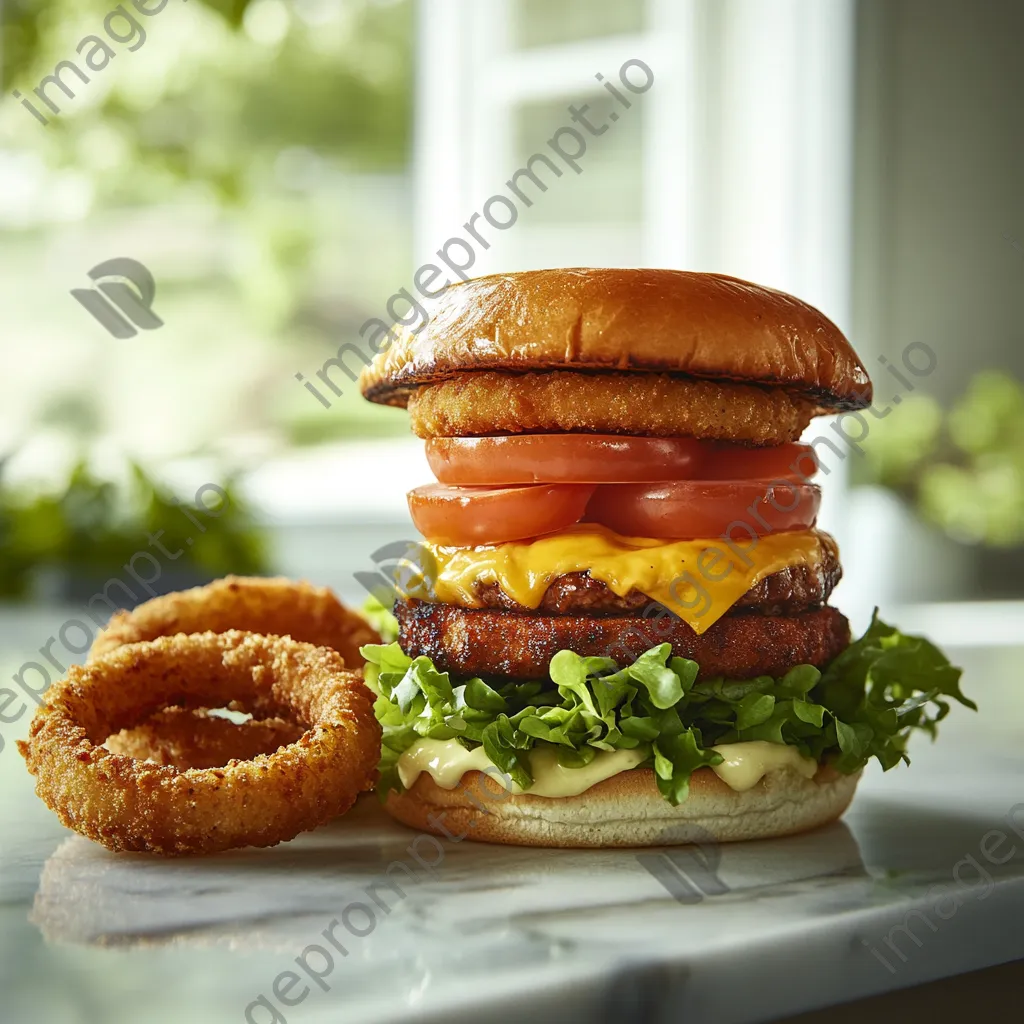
(278, 898)
(516, 934)
(526, 923)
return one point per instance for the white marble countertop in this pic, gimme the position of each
(770, 929)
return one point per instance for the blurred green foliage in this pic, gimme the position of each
(288, 123)
(230, 106)
(92, 527)
(15, 565)
(962, 469)
(24, 26)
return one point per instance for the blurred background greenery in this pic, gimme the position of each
(961, 468)
(255, 155)
(282, 166)
(62, 547)
(258, 157)
(267, 147)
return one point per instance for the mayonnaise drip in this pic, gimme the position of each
(446, 761)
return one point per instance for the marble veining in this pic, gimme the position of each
(754, 931)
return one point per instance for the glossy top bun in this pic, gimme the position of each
(626, 810)
(661, 321)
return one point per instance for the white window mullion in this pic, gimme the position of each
(490, 111)
(745, 153)
(826, 185)
(671, 151)
(441, 148)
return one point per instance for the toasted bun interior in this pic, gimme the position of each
(657, 321)
(625, 810)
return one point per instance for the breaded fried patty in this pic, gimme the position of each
(787, 592)
(645, 404)
(738, 646)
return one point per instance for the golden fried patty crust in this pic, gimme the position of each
(737, 646)
(644, 404)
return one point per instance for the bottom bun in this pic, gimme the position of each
(625, 810)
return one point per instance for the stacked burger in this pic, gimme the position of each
(621, 612)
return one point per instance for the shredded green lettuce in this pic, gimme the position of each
(865, 704)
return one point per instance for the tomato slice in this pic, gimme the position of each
(691, 509)
(467, 516)
(562, 458)
(723, 461)
(607, 458)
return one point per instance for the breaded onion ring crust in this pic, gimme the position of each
(127, 804)
(272, 606)
(193, 738)
(644, 404)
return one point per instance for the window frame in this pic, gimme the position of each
(747, 139)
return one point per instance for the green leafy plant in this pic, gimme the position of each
(962, 470)
(15, 566)
(92, 527)
(865, 704)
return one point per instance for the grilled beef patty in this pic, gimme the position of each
(740, 645)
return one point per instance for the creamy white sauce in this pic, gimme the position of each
(746, 764)
(446, 761)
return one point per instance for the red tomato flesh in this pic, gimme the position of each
(468, 516)
(691, 509)
(607, 458)
(675, 510)
(723, 461)
(561, 458)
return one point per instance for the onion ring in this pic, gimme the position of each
(127, 804)
(193, 738)
(272, 606)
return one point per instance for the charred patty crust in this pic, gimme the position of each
(739, 646)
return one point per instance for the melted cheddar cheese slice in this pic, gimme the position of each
(698, 580)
